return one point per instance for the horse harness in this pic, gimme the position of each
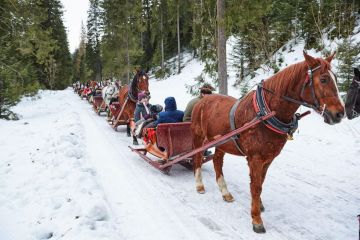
(262, 109)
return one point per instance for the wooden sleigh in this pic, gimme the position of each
(117, 114)
(99, 105)
(171, 143)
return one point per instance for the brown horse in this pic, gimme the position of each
(128, 97)
(310, 83)
(352, 103)
(93, 84)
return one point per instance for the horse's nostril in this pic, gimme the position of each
(339, 115)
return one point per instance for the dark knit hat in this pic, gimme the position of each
(207, 89)
(141, 96)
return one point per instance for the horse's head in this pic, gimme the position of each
(352, 104)
(142, 81)
(320, 90)
(93, 84)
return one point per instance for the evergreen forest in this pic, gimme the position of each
(122, 35)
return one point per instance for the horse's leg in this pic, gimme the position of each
(218, 161)
(198, 141)
(263, 175)
(256, 170)
(130, 126)
(135, 141)
(128, 130)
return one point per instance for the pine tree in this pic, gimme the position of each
(204, 37)
(79, 61)
(121, 42)
(348, 54)
(18, 72)
(93, 46)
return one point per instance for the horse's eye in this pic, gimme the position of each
(323, 80)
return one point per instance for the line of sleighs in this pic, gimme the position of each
(168, 142)
(171, 141)
(313, 85)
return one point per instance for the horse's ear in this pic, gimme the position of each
(147, 69)
(330, 58)
(357, 72)
(311, 62)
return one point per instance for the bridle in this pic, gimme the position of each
(139, 79)
(309, 82)
(273, 123)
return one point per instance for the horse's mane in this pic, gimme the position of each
(133, 89)
(133, 84)
(288, 79)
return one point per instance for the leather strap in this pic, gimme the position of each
(233, 127)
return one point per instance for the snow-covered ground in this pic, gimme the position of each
(65, 174)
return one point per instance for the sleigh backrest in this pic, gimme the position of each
(175, 138)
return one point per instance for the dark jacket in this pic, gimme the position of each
(171, 114)
(140, 112)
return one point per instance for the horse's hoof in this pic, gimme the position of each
(128, 134)
(200, 189)
(259, 228)
(228, 198)
(135, 143)
(262, 209)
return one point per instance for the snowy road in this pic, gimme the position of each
(65, 174)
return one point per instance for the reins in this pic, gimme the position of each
(308, 82)
(273, 123)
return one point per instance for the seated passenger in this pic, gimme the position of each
(204, 90)
(171, 114)
(142, 110)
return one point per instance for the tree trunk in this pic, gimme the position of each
(127, 51)
(202, 28)
(127, 58)
(221, 47)
(178, 36)
(162, 35)
(1, 95)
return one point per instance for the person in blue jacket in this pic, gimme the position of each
(171, 114)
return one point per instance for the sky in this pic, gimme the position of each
(75, 11)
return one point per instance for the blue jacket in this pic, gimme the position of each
(171, 114)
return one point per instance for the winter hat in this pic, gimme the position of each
(170, 104)
(206, 89)
(156, 108)
(141, 96)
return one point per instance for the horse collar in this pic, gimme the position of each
(273, 123)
